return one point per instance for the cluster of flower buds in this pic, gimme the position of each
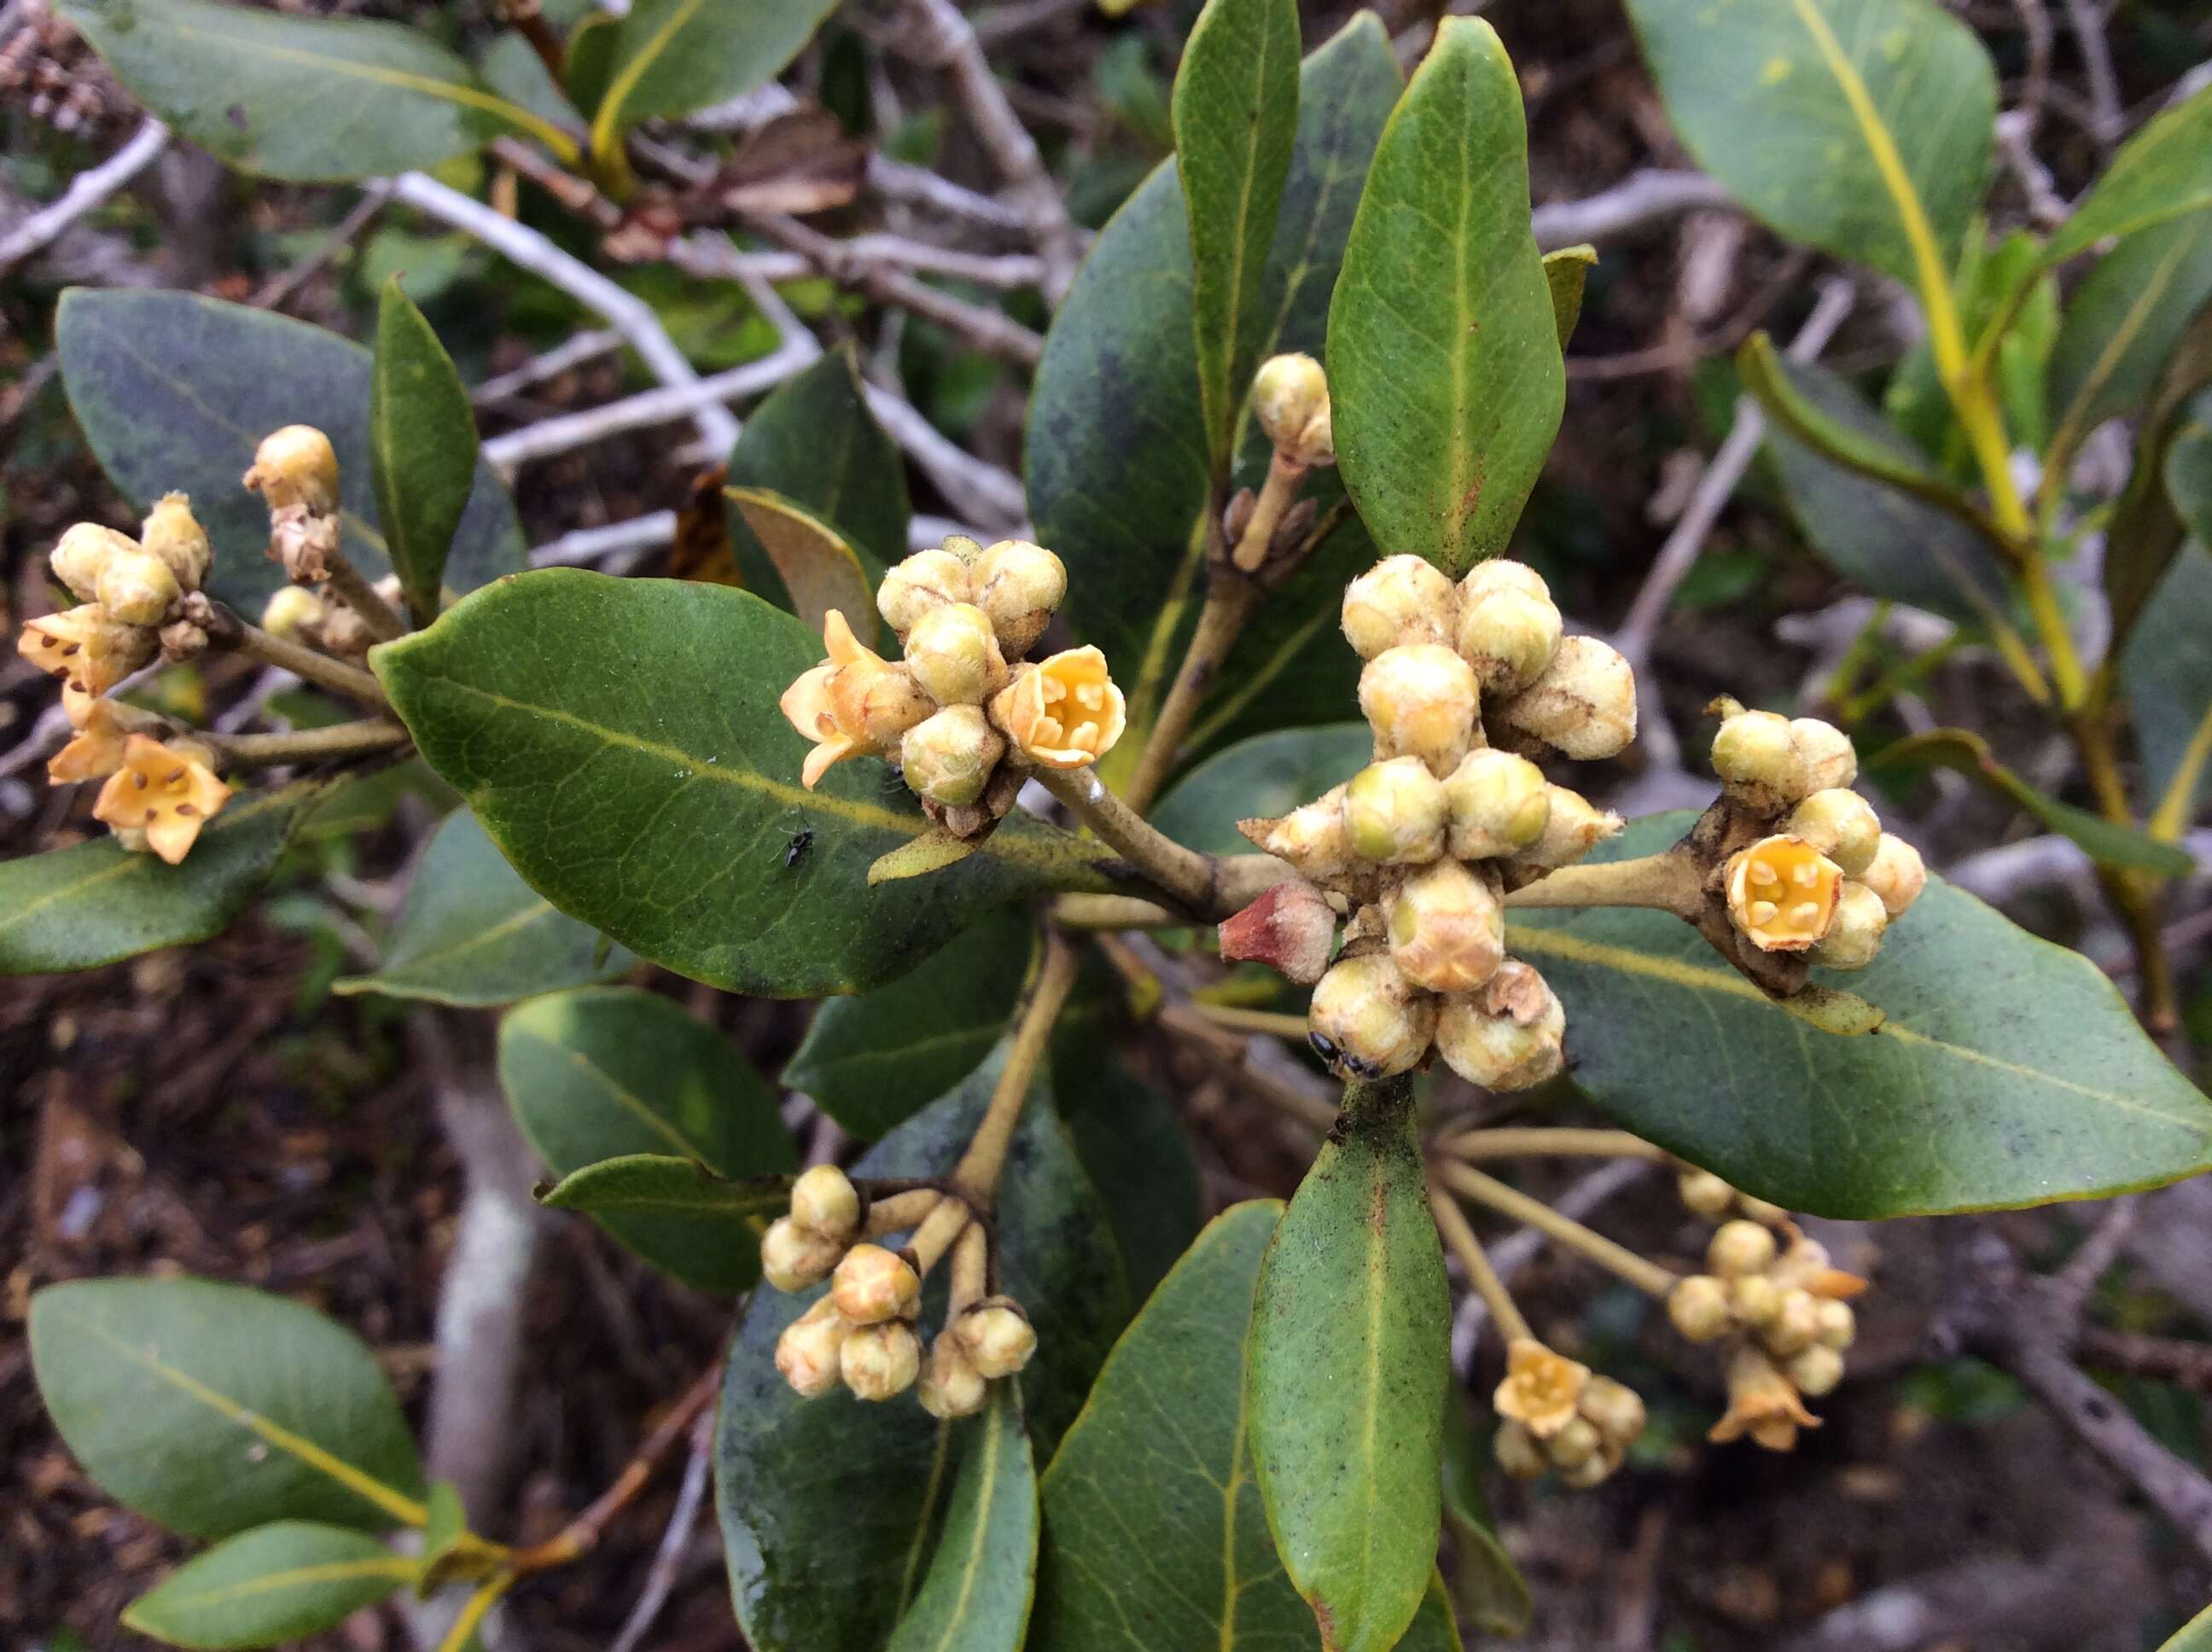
(1462, 684)
(1824, 880)
(1556, 1416)
(860, 1336)
(1785, 1310)
(963, 715)
(295, 469)
(139, 599)
(1290, 398)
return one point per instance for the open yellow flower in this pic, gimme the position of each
(1063, 712)
(1782, 893)
(1763, 1403)
(854, 704)
(1542, 1389)
(166, 792)
(87, 648)
(98, 749)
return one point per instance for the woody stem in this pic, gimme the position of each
(1537, 1141)
(1208, 888)
(306, 744)
(301, 661)
(1229, 603)
(350, 587)
(976, 1177)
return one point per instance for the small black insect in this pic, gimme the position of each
(1323, 1046)
(795, 851)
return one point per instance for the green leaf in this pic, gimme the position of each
(814, 442)
(1882, 539)
(2167, 671)
(1154, 1532)
(174, 392)
(872, 1061)
(2002, 279)
(604, 1072)
(1486, 1587)
(674, 56)
(294, 97)
(276, 1584)
(1344, 1386)
(719, 1215)
(2165, 495)
(976, 1596)
(2125, 322)
(1236, 112)
(834, 1559)
(1134, 1149)
(472, 933)
(211, 1409)
(637, 774)
(422, 448)
(1267, 776)
(445, 1539)
(1566, 272)
(1863, 127)
(2160, 173)
(819, 570)
(2195, 1635)
(1445, 379)
(1117, 457)
(591, 59)
(2003, 1071)
(96, 902)
(2104, 842)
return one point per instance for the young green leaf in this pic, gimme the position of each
(211, 1409)
(1153, 1522)
(814, 442)
(1134, 1148)
(817, 567)
(96, 902)
(1446, 380)
(2125, 322)
(1345, 1385)
(270, 1586)
(640, 778)
(471, 933)
(2161, 503)
(1863, 127)
(872, 1061)
(1236, 111)
(976, 1596)
(1566, 272)
(422, 448)
(1999, 1070)
(2160, 173)
(603, 1074)
(1265, 776)
(174, 392)
(674, 56)
(2195, 1635)
(2167, 671)
(1486, 1587)
(718, 1214)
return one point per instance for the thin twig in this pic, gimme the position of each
(2088, 26)
(1637, 202)
(571, 353)
(667, 1559)
(1459, 1237)
(976, 1174)
(1471, 1183)
(917, 186)
(288, 281)
(581, 1535)
(87, 192)
(1511, 1254)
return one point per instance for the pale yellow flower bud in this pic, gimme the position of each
(954, 655)
(168, 790)
(1782, 893)
(1421, 701)
(1754, 1299)
(1400, 601)
(136, 588)
(951, 1386)
(825, 1201)
(1830, 760)
(872, 1284)
(1593, 1470)
(1312, 837)
(1839, 1326)
(1507, 632)
(1020, 585)
(1500, 804)
(1816, 1370)
(82, 551)
(1739, 1248)
(1855, 933)
(1368, 1021)
(807, 1354)
(1898, 874)
(1583, 705)
(1063, 712)
(948, 758)
(879, 1362)
(296, 465)
(87, 647)
(1573, 826)
(1705, 1194)
(1395, 812)
(1290, 398)
(1841, 824)
(1576, 1444)
(1508, 1035)
(1755, 753)
(1795, 1324)
(1542, 1389)
(172, 533)
(1518, 1452)
(1698, 1306)
(925, 582)
(291, 609)
(794, 1257)
(1447, 928)
(1615, 1408)
(997, 1336)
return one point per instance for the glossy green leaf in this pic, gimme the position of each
(297, 97)
(270, 1586)
(1967, 753)
(814, 442)
(95, 902)
(422, 448)
(1487, 1589)
(447, 1544)
(471, 932)
(1116, 456)
(1882, 539)
(976, 1596)
(174, 392)
(2195, 1635)
(2003, 279)
(1445, 377)
(1154, 1535)
(1264, 777)
(1566, 272)
(835, 1559)
(1133, 1147)
(2163, 171)
(2124, 321)
(211, 1409)
(591, 59)
(674, 56)
(1236, 112)
(872, 1061)
(2167, 671)
(2003, 1071)
(1345, 1383)
(1863, 127)
(719, 1215)
(818, 570)
(619, 740)
(2164, 498)
(604, 1073)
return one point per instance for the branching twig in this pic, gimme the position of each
(88, 191)
(690, 1496)
(1638, 201)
